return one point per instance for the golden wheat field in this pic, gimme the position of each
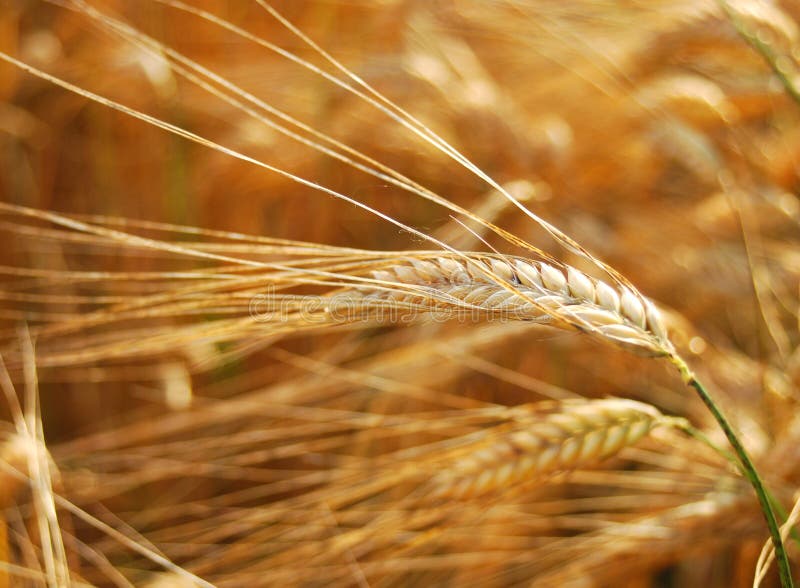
(388, 293)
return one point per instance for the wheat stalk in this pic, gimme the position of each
(555, 437)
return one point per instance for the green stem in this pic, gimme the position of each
(748, 469)
(783, 515)
(777, 507)
(763, 49)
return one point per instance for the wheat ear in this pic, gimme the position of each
(555, 437)
(524, 289)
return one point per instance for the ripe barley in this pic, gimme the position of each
(555, 437)
(521, 289)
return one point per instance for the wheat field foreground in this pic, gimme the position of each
(399, 293)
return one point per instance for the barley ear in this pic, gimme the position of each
(553, 438)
